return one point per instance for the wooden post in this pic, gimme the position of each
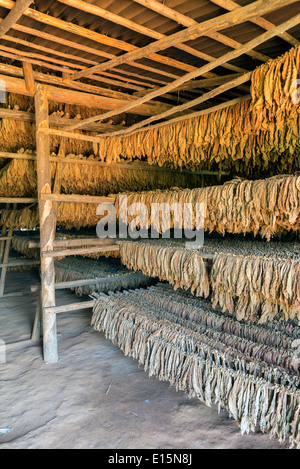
(28, 76)
(47, 226)
(36, 331)
(5, 261)
(5, 256)
(3, 233)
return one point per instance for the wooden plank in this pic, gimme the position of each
(14, 15)
(47, 226)
(71, 307)
(5, 238)
(79, 251)
(208, 67)
(17, 85)
(257, 8)
(87, 199)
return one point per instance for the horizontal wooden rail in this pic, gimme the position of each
(92, 281)
(127, 166)
(20, 263)
(80, 251)
(6, 238)
(206, 256)
(97, 281)
(71, 307)
(16, 294)
(17, 200)
(74, 242)
(87, 199)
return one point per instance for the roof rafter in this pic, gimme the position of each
(88, 138)
(58, 53)
(46, 61)
(262, 22)
(61, 95)
(194, 84)
(208, 67)
(98, 11)
(53, 79)
(14, 15)
(97, 37)
(195, 102)
(227, 20)
(187, 21)
(90, 50)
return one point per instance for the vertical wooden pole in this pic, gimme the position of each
(47, 225)
(36, 331)
(5, 261)
(6, 256)
(28, 76)
(3, 233)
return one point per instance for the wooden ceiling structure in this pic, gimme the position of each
(163, 61)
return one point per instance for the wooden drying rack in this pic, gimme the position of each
(68, 90)
(47, 201)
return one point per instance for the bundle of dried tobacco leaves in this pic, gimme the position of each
(248, 279)
(217, 359)
(265, 207)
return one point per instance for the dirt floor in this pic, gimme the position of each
(95, 397)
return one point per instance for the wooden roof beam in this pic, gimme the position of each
(187, 22)
(259, 21)
(98, 11)
(50, 62)
(86, 49)
(203, 112)
(176, 109)
(97, 37)
(189, 76)
(227, 20)
(197, 84)
(25, 116)
(14, 15)
(55, 80)
(54, 93)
